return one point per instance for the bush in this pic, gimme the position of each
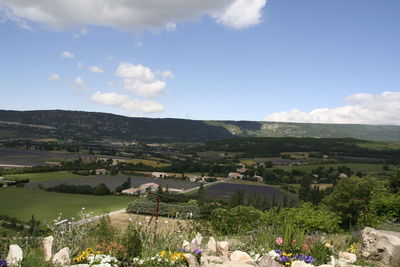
(99, 190)
(132, 242)
(145, 206)
(241, 219)
(309, 217)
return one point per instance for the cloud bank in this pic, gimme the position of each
(381, 109)
(131, 15)
(139, 80)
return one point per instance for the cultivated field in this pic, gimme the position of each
(113, 181)
(22, 203)
(225, 190)
(44, 176)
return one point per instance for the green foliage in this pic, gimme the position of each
(145, 206)
(132, 242)
(320, 252)
(104, 232)
(124, 186)
(385, 206)
(237, 199)
(311, 218)
(350, 199)
(34, 257)
(200, 195)
(99, 190)
(238, 220)
(394, 181)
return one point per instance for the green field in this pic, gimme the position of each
(44, 176)
(355, 167)
(22, 203)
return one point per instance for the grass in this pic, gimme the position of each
(22, 203)
(44, 176)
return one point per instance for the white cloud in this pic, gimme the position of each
(81, 33)
(125, 102)
(380, 109)
(95, 69)
(67, 54)
(142, 80)
(131, 15)
(242, 14)
(53, 77)
(80, 84)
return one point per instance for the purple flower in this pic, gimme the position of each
(197, 251)
(184, 250)
(278, 251)
(3, 263)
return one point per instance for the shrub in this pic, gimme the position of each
(321, 252)
(240, 219)
(132, 242)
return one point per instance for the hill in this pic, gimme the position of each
(83, 126)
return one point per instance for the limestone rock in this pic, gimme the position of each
(196, 242)
(240, 256)
(222, 248)
(212, 245)
(191, 259)
(381, 245)
(301, 264)
(62, 257)
(47, 247)
(186, 245)
(15, 255)
(349, 257)
(267, 261)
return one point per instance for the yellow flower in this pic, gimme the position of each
(163, 253)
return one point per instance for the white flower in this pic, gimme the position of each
(273, 254)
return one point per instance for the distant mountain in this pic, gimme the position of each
(80, 125)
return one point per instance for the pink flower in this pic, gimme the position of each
(279, 241)
(294, 242)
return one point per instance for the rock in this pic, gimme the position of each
(15, 255)
(196, 242)
(47, 247)
(381, 245)
(212, 245)
(222, 248)
(186, 245)
(267, 261)
(191, 259)
(349, 257)
(301, 264)
(62, 257)
(240, 256)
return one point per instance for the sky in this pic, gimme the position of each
(331, 61)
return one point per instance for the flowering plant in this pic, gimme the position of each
(102, 260)
(3, 263)
(164, 259)
(197, 253)
(114, 249)
(82, 256)
(287, 258)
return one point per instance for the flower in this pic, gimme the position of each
(197, 251)
(279, 241)
(294, 242)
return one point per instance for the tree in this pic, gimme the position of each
(394, 181)
(200, 195)
(350, 199)
(237, 199)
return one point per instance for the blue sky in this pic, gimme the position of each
(283, 60)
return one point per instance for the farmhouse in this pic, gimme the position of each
(159, 175)
(142, 189)
(242, 170)
(259, 178)
(100, 171)
(235, 175)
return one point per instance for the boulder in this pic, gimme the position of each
(191, 259)
(212, 245)
(15, 255)
(240, 256)
(267, 261)
(62, 257)
(349, 257)
(47, 247)
(222, 248)
(381, 245)
(301, 264)
(196, 242)
(186, 245)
